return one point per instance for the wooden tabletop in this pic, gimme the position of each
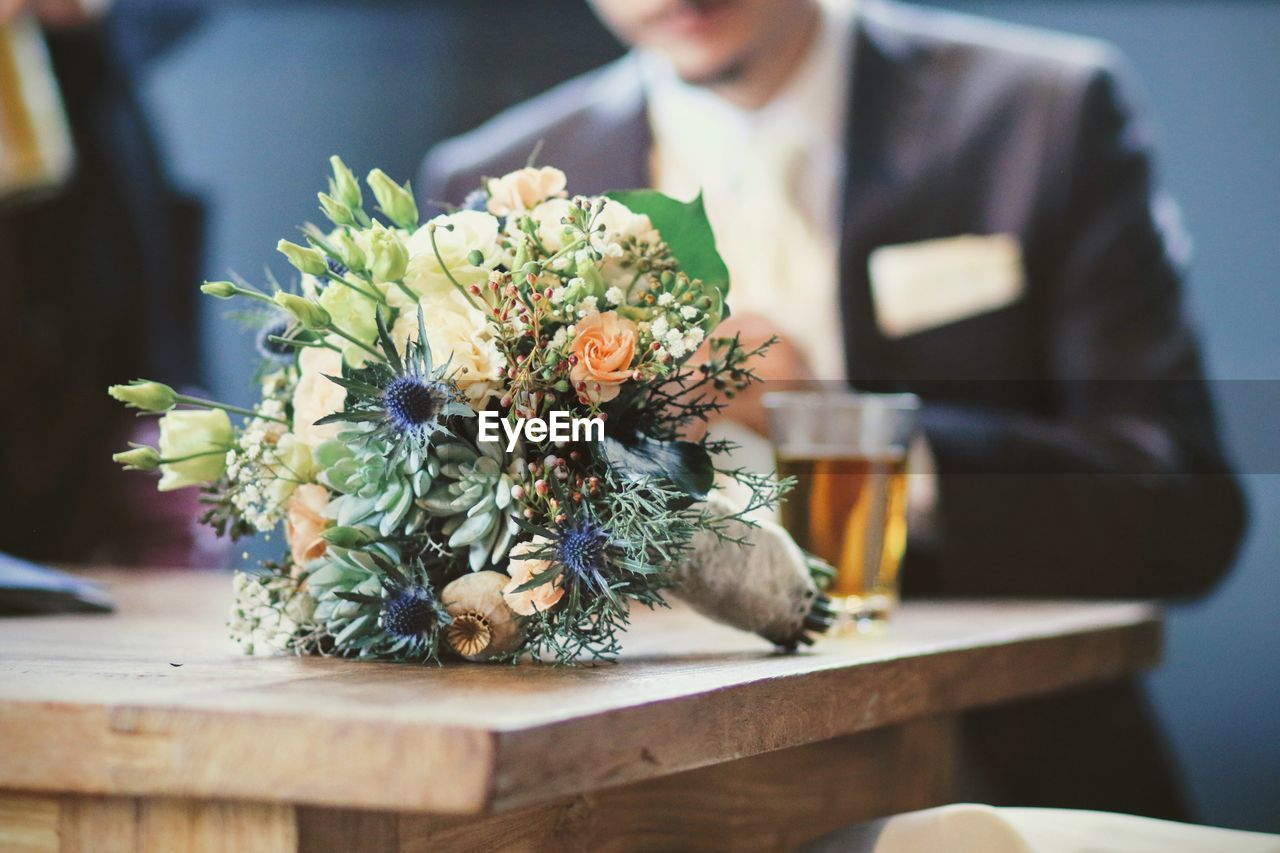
(154, 699)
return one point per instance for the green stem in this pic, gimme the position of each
(373, 352)
(235, 410)
(440, 259)
(222, 452)
(253, 294)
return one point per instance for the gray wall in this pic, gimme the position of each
(252, 103)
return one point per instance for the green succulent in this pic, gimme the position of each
(374, 490)
(473, 494)
(346, 572)
(370, 606)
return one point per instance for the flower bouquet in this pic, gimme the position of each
(476, 432)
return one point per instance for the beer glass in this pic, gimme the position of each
(848, 455)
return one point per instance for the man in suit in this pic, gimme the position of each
(1066, 413)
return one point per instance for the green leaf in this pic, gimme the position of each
(686, 464)
(684, 227)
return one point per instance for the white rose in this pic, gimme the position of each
(523, 189)
(549, 218)
(457, 334)
(315, 396)
(472, 231)
(620, 222)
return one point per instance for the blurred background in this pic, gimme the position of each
(219, 117)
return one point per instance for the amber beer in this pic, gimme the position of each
(852, 512)
(848, 455)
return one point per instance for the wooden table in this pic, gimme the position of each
(145, 730)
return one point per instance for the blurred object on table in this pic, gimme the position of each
(26, 588)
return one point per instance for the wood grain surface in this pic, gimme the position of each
(155, 701)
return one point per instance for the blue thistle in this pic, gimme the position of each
(413, 403)
(335, 267)
(409, 612)
(274, 350)
(406, 397)
(583, 548)
(476, 200)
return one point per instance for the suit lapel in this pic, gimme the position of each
(892, 99)
(613, 141)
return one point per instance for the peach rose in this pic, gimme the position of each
(523, 189)
(604, 344)
(540, 598)
(304, 522)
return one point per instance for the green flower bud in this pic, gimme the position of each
(390, 256)
(394, 200)
(140, 458)
(147, 396)
(475, 257)
(338, 213)
(194, 445)
(308, 314)
(349, 251)
(531, 268)
(219, 289)
(343, 185)
(309, 261)
(562, 386)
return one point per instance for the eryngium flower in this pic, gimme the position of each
(409, 613)
(412, 403)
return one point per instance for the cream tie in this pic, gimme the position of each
(780, 265)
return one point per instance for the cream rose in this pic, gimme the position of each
(305, 522)
(522, 570)
(458, 334)
(521, 190)
(604, 345)
(472, 231)
(291, 464)
(197, 443)
(549, 218)
(316, 396)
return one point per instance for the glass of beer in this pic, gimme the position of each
(848, 455)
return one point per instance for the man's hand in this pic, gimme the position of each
(782, 362)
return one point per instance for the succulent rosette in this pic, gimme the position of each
(412, 534)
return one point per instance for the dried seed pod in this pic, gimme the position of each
(483, 625)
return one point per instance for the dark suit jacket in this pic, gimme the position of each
(1073, 433)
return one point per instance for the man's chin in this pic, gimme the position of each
(718, 74)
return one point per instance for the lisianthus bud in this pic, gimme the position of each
(394, 200)
(194, 444)
(338, 213)
(219, 289)
(140, 458)
(308, 261)
(349, 251)
(343, 185)
(390, 257)
(308, 314)
(147, 396)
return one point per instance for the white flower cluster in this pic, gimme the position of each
(258, 468)
(266, 613)
(673, 331)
